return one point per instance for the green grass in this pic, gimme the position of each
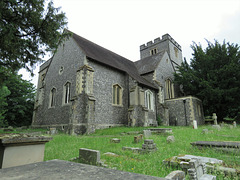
(66, 147)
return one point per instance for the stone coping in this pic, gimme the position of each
(22, 139)
(226, 144)
(58, 169)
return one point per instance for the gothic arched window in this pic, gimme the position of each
(149, 103)
(117, 94)
(52, 97)
(169, 86)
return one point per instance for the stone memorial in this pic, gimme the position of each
(170, 139)
(137, 139)
(59, 169)
(149, 146)
(197, 171)
(115, 140)
(89, 156)
(214, 117)
(234, 124)
(176, 175)
(20, 149)
(147, 133)
(195, 124)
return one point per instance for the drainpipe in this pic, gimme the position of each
(185, 113)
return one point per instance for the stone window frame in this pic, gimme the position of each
(149, 100)
(66, 93)
(117, 95)
(169, 88)
(153, 51)
(52, 97)
(176, 52)
(161, 94)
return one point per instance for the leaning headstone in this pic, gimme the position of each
(176, 175)
(214, 118)
(231, 126)
(89, 156)
(234, 124)
(115, 140)
(147, 133)
(170, 139)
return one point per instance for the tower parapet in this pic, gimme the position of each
(166, 43)
(159, 40)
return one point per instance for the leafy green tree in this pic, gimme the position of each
(213, 76)
(20, 101)
(4, 92)
(28, 29)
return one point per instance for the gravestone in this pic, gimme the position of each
(224, 146)
(149, 146)
(20, 149)
(53, 131)
(115, 140)
(195, 124)
(234, 124)
(176, 175)
(137, 139)
(198, 171)
(89, 156)
(218, 127)
(170, 139)
(205, 131)
(215, 118)
(59, 169)
(147, 133)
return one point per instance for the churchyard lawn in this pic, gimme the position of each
(66, 147)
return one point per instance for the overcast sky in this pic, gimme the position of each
(123, 25)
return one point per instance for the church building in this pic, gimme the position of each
(85, 87)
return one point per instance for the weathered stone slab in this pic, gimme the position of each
(176, 175)
(20, 149)
(115, 140)
(89, 156)
(201, 159)
(58, 169)
(160, 130)
(225, 144)
(147, 133)
(218, 127)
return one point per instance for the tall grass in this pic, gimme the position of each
(65, 147)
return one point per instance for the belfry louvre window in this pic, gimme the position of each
(52, 97)
(149, 100)
(169, 89)
(67, 93)
(153, 51)
(117, 95)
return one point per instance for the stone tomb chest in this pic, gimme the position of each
(20, 149)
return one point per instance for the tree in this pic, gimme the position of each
(4, 92)
(20, 101)
(28, 29)
(213, 76)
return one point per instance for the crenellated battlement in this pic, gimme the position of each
(159, 40)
